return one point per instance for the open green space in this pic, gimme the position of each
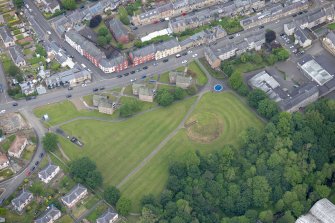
(235, 117)
(331, 26)
(200, 75)
(65, 219)
(118, 147)
(63, 111)
(164, 78)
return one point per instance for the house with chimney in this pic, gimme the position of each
(77, 193)
(143, 55)
(6, 37)
(119, 31)
(167, 48)
(17, 146)
(16, 55)
(21, 201)
(48, 173)
(49, 216)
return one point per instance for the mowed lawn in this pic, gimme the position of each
(63, 111)
(236, 117)
(118, 147)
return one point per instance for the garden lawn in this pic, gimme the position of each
(118, 147)
(331, 26)
(164, 78)
(236, 117)
(63, 111)
(201, 76)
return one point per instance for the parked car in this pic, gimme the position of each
(15, 104)
(194, 55)
(146, 67)
(132, 72)
(41, 154)
(119, 76)
(32, 169)
(68, 96)
(178, 55)
(102, 88)
(165, 60)
(231, 37)
(69, 88)
(2, 111)
(37, 162)
(126, 74)
(184, 54)
(184, 61)
(95, 89)
(144, 76)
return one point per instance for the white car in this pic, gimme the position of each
(83, 85)
(190, 51)
(184, 61)
(194, 55)
(237, 35)
(2, 111)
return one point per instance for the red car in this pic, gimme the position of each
(27, 173)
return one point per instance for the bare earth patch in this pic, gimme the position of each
(78, 103)
(204, 127)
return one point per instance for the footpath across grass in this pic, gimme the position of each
(117, 148)
(201, 76)
(235, 116)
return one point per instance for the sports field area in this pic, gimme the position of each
(118, 147)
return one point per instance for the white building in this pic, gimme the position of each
(323, 211)
(20, 202)
(74, 196)
(49, 216)
(48, 173)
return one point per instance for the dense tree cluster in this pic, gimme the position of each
(130, 108)
(104, 37)
(95, 21)
(50, 141)
(165, 97)
(69, 4)
(276, 174)
(84, 171)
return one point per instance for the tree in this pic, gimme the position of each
(148, 216)
(54, 66)
(112, 195)
(179, 93)
(40, 50)
(102, 41)
(103, 31)
(123, 206)
(130, 108)
(69, 4)
(260, 191)
(13, 70)
(266, 216)
(18, 3)
(164, 97)
(271, 59)
(235, 80)
(1, 133)
(227, 68)
(84, 171)
(255, 96)
(281, 53)
(270, 36)
(267, 108)
(95, 21)
(50, 141)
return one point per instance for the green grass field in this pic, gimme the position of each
(234, 114)
(331, 26)
(201, 76)
(63, 111)
(117, 148)
(164, 78)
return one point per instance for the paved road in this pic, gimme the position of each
(3, 95)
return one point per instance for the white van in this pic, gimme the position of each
(178, 55)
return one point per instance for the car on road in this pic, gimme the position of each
(144, 76)
(237, 34)
(184, 54)
(132, 72)
(95, 89)
(138, 70)
(194, 55)
(261, 27)
(2, 111)
(184, 61)
(155, 64)
(144, 68)
(190, 51)
(49, 32)
(32, 169)
(178, 55)
(41, 154)
(37, 162)
(231, 37)
(68, 96)
(28, 173)
(15, 104)
(102, 88)
(119, 76)
(165, 60)
(70, 88)
(126, 74)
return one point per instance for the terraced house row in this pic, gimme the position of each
(121, 61)
(181, 7)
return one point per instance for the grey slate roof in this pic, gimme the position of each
(48, 215)
(15, 52)
(22, 198)
(331, 37)
(47, 171)
(5, 34)
(156, 11)
(147, 50)
(117, 28)
(66, 76)
(167, 45)
(209, 52)
(74, 193)
(106, 217)
(301, 35)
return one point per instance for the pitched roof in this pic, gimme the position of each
(49, 214)
(117, 28)
(107, 216)
(301, 35)
(22, 198)
(172, 43)
(5, 34)
(3, 159)
(331, 37)
(210, 54)
(145, 51)
(17, 143)
(15, 52)
(74, 193)
(47, 171)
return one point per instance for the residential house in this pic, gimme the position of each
(4, 162)
(27, 88)
(329, 42)
(21, 201)
(215, 33)
(49, 216)
(55, 52)
(108, 217)
(143, 55)
(255, 41)
(77, 193)
(242, 47)
(167, 48)
(48, 173)
(115, 64)
(70, 77)
(211, 58)
(323, 211)
(226, 52)
(274, 13)
(16, 55)
(289, 28)
(119, 31)
(302, 38)
(41, 90)
(195, 40)
(146, 94)
(6, 38)
(153, 15)
(51, 6)
(136, 88)
(317, 17)
(17, 146)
